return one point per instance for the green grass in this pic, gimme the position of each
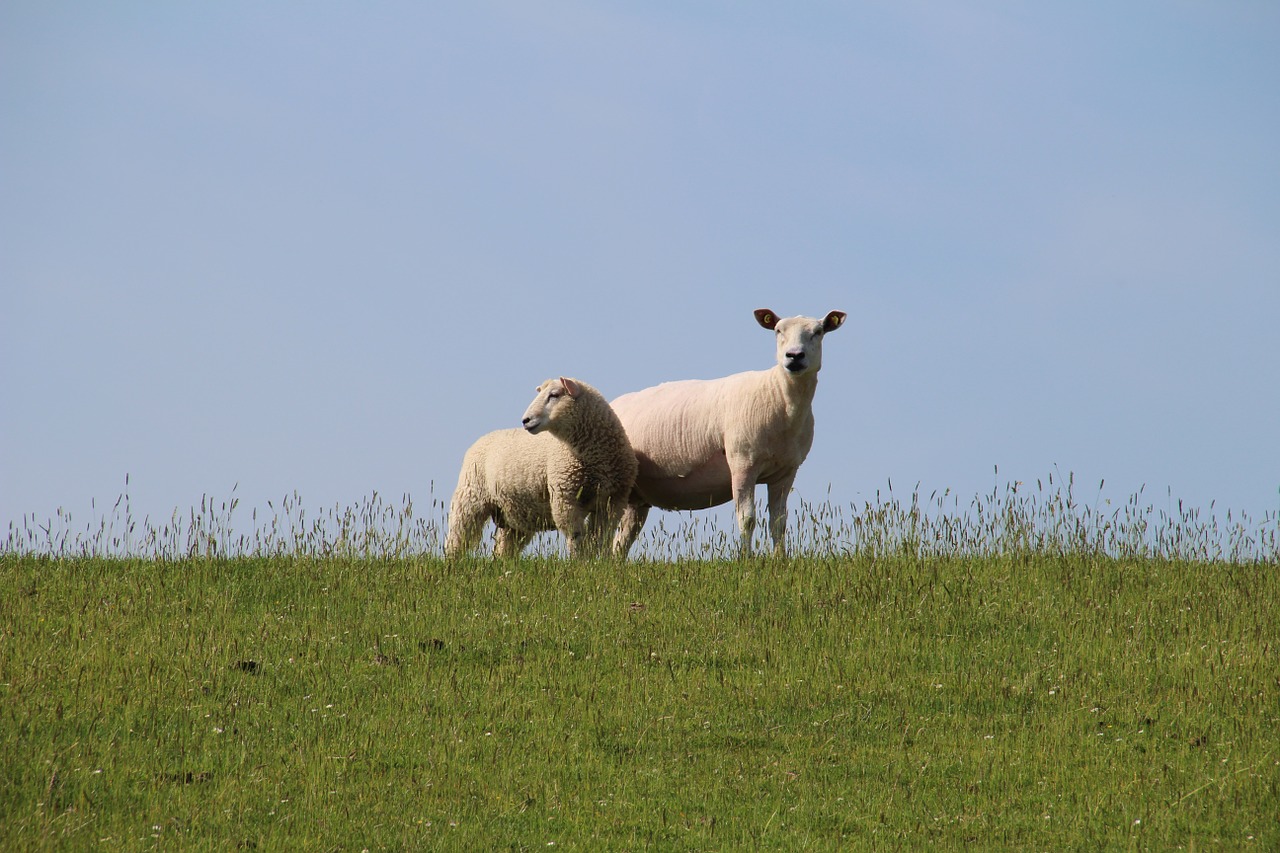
(892, 700)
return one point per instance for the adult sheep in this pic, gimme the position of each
(571, 468)
(701, 443)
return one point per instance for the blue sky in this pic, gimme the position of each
(321, 247)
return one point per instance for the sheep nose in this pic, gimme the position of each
(795, 354)
(525, 421)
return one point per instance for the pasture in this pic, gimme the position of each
(897, 695)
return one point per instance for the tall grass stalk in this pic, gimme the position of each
(1050, 519)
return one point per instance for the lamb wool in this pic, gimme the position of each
(570, 469)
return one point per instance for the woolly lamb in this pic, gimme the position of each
(701, 443)
(571, 468)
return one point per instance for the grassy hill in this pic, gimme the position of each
(890, 698)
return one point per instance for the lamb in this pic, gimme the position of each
(701, 443)
(571, 468)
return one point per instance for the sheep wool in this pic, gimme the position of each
(570, 469)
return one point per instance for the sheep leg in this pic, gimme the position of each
(509, 542)
(571, 521)
(744, 502)
(633, 518)
(602, 525)
(598, 532)
(466, 525)
(576, 541)
(594, 531)
(778, 514)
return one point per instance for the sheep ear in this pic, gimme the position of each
(766, 318)
(834, 321)
(571, 387)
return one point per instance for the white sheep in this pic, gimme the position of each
(571, 468)
(701, 443)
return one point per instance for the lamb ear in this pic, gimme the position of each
(833, 321)
(571, 387)
(766, 318)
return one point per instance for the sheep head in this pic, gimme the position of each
(800, 338)
(553, 403)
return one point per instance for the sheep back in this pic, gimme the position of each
(504, 477)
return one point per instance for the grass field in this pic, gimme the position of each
(1025, 697)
